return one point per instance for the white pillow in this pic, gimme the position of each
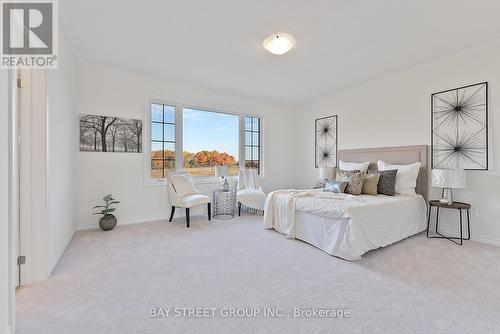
(183, 184)
(349, 166)
(406, 178)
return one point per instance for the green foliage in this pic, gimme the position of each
(108, 200)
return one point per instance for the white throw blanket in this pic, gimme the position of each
(281, 204)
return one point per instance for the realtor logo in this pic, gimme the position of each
(29, 34)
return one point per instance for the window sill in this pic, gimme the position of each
(196, 180)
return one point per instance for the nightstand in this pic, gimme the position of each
(457, 206)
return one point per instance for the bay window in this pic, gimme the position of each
(196, 140)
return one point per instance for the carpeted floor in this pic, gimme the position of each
(107, 282)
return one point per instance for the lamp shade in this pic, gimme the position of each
(325, 172)
(221, 171)
(448, 178)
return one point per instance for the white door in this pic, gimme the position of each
(16, 145)
(29, 167)
(20, 121)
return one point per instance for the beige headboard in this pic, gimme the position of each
(395, 155)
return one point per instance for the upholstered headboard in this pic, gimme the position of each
(394, 155)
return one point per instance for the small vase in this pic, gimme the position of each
(107, 222)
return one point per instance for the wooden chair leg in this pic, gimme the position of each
(172, 211)
(209, 208)
(187, 217)
(239, 209)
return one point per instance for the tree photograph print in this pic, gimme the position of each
(110, 134)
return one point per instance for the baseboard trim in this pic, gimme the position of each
(162, 219)
(474, 236)
(95, 225)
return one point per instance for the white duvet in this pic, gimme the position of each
(370, 221)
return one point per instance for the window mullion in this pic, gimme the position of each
(241, 142)
(179, 159)
(163, 142)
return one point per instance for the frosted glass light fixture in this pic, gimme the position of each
(279, 43)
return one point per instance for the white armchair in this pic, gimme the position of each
(183, 194)
(249, 192)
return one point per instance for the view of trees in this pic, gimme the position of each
(110, 134)
(198, 164)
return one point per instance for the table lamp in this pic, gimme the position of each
(448, 179)
(222, 172)
(325, 173)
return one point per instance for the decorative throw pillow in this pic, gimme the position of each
(183, 184)
(370, 184)
(387, 182)
(335, 186)
(354, 178)
(352, 166)
(406, 179)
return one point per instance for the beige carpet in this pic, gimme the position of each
(106, 282)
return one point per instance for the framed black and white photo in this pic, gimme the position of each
(459, 123)
(110, 134)
(325, 142)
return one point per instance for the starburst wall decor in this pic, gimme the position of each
(460, 128)
(326, 142)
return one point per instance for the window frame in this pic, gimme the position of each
(163, 141)
(179, 128)
(252, 145)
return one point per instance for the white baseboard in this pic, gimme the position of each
(95, 225)
(474, 236)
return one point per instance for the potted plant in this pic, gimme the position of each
(107, 221)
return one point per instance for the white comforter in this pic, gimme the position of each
(373, 221)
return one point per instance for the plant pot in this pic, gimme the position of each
(107, 222)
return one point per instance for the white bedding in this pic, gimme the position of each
(344, 225)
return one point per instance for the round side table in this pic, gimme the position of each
(457, 206)
(224, 204)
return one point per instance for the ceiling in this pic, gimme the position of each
(217, 44)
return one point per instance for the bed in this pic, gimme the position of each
(348, 226)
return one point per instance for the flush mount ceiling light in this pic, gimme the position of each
(279, 43)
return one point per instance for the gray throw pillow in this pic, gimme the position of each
(335, 186)
(387, 182)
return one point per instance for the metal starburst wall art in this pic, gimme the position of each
(326, 142)
(460, 128)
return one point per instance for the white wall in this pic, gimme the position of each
(61, 93)
(395, 110)
(104, 90)
(5, 287)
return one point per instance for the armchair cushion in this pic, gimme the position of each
(189, 201)
(248, 179)
(182, 184)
